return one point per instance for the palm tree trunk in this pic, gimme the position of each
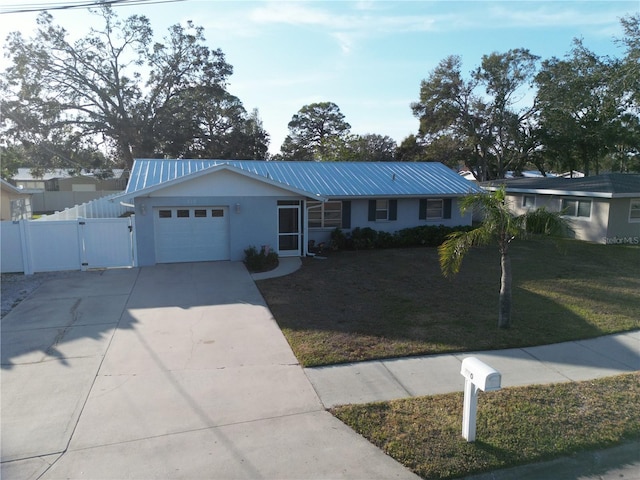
(504, 314)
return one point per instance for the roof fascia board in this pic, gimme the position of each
(398, 195)
(11, 188)
(566, 193)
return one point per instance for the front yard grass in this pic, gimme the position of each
(515, 426)
(362, 305)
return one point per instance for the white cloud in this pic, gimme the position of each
(557, 14)
(292, 13)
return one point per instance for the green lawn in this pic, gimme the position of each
(360, 305)
(515, 426)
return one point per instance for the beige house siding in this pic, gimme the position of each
(621, 227)
(5, 205)
(592, 229)
(21, 211)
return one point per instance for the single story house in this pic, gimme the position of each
(65, 180)
(601, 208)
(203, 210)
(15, 204)
(59, 189)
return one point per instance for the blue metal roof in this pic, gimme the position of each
(326, 179)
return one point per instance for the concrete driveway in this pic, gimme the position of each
(173, 371)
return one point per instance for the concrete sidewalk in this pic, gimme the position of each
(381, 380)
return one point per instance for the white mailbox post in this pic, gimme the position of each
(477, 376)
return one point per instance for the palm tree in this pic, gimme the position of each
(501, 226)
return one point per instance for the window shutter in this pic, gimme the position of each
(372, 210)
(346, 214)
(446, 208)
(393, 209)
(422, 212)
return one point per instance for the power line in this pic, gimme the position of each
(41, 7)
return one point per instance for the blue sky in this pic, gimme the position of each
(368, 57)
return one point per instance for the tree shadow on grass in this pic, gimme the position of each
(591, 462)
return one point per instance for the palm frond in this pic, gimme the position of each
(457, 244)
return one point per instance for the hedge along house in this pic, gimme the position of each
(600, 208)
(206, 210)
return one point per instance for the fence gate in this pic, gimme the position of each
(106, 242)
(46, 246)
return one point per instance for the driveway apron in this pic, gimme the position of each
(194, 379)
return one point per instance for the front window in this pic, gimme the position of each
(382, 209)
(529, 201)
(325, 215)
(576, 208)
(634, 210)
(434, 209)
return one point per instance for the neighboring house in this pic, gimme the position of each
(14, 204)
(61, 180)
(601, 208)
(58, 189)
(202, 210)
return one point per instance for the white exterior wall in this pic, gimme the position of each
(408, 217)
(252, 206)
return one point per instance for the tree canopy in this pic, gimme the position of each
(474, 120)
(317, 132)
(583, 112)
(119, 89)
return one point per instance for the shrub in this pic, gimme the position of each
(367, 238)
(363, 238)
(338, 240)
(386, 240)
(262, 261)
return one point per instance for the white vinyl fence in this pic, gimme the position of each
(46, 246)
(104, 207)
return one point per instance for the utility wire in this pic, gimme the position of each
(41, 7)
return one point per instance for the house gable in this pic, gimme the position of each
(222, 183)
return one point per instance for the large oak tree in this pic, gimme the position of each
(119, 87)
(477, 120)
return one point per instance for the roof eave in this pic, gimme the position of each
(546, 191)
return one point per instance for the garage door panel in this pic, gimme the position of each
(191, 234)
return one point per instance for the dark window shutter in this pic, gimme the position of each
(346, 214)
(372, 210)
(393, 209)
(446, 208)
(422, 213)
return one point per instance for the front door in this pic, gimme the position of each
(289, 230)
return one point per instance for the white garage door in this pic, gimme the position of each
(191, 234)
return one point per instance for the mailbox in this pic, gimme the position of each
(480, 374)
(477, 376)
